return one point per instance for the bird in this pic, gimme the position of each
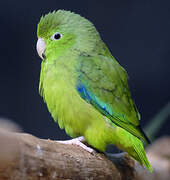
(85, 88)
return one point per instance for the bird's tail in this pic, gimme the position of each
(139, 153)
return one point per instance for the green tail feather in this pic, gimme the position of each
(140, 154)
(135, 130)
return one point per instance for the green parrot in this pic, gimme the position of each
(85, 88)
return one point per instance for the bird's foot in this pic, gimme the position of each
(78, 142)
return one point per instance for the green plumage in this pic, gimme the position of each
(85, 88)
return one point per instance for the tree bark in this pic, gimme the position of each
(25, 157)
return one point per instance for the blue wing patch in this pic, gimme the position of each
(92, 99)
(83, 92)
(103, 107)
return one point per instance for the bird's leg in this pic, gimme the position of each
(78, 142)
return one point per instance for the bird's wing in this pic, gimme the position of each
(102, 82)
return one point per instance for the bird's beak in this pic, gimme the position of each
(40, 47)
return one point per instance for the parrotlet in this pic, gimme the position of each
(85, 88)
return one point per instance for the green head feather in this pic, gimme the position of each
(77, 32)
(64, 19)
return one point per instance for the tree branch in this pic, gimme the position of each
(25, 157)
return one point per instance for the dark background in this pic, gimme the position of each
(136, 32)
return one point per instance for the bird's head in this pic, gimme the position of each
(61, 30)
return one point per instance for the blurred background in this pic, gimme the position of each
(136, 32)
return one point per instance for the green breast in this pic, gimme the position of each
(57, 86)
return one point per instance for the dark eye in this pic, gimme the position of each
(56, 36)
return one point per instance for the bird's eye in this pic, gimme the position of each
(56, 36)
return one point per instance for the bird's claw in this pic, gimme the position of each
(78, 142)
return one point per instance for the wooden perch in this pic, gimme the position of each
(25, 157)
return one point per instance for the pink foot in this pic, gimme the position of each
(78, 142)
